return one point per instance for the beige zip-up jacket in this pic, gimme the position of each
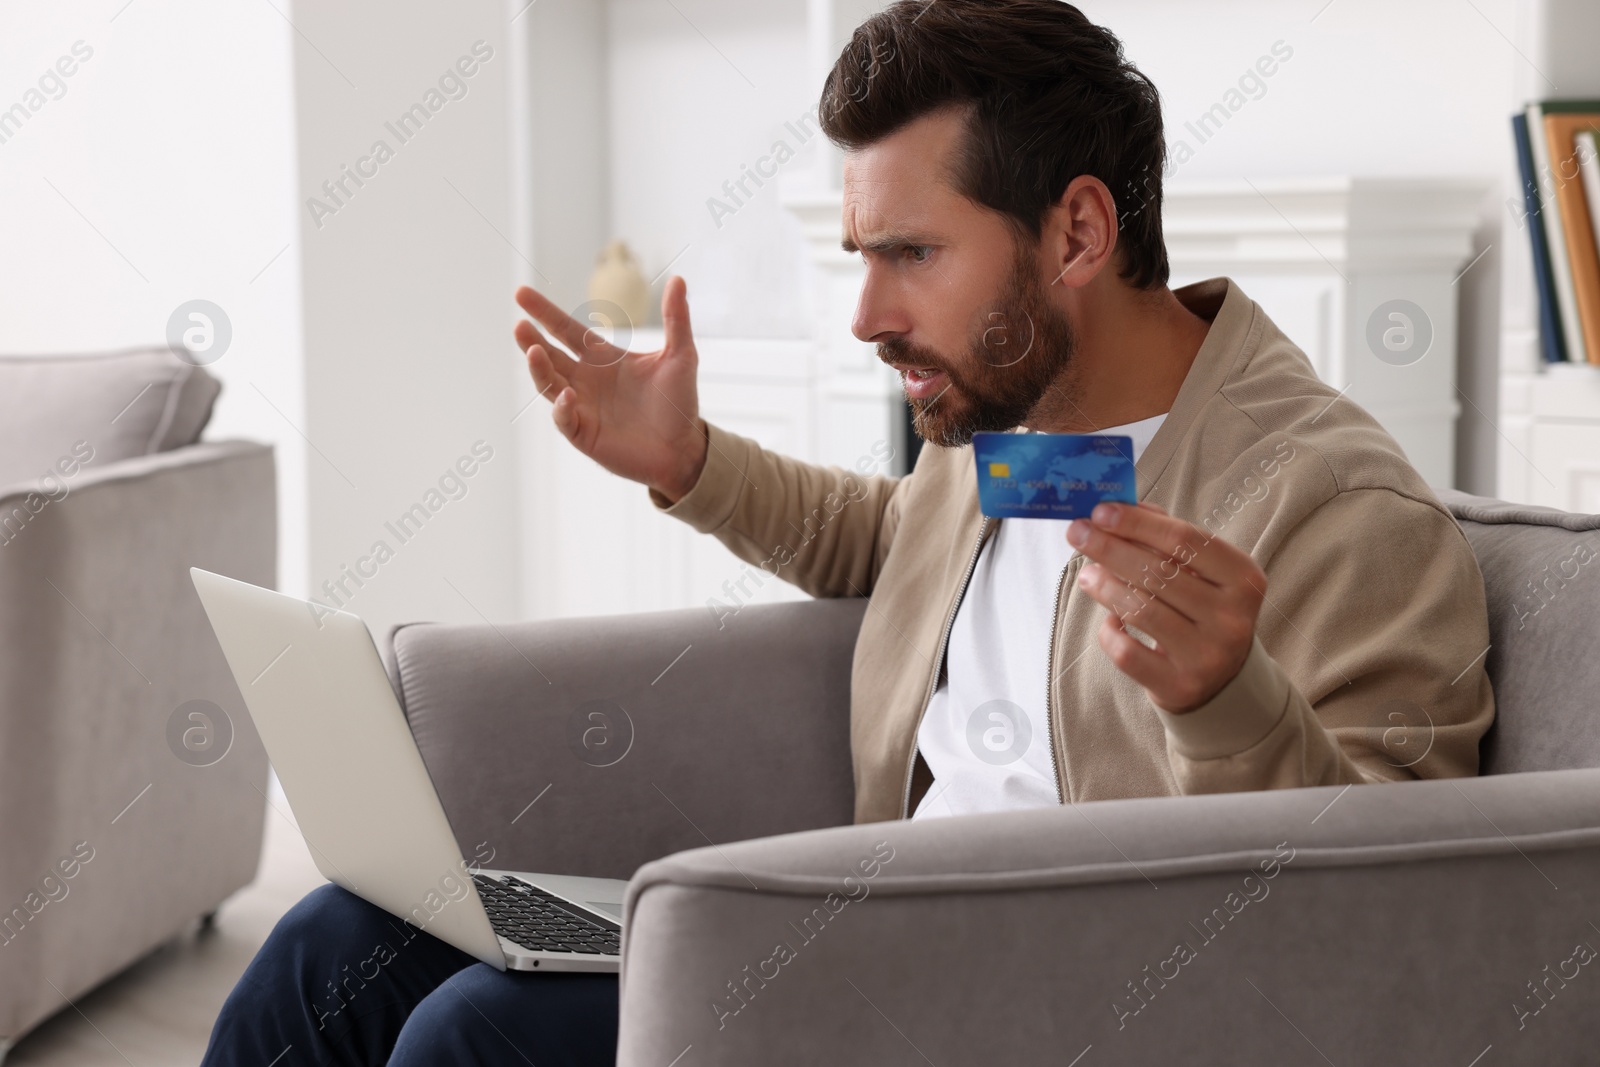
(1368, 659)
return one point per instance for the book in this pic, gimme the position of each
(1552, 345)
(1561, 130)
(1589, 166)
(1555, 238)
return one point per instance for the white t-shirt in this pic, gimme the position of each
(984, 734)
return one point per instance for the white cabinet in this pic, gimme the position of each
(1561, 467)
(1360, 273)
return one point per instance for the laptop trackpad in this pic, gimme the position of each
(600, 895)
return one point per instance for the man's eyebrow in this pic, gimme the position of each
(885, 241)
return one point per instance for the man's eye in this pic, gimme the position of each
(919, 253)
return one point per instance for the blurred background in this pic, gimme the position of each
(371, 342)
(1334, 156)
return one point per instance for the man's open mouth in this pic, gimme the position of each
(923, 382)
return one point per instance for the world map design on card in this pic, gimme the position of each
(1051, 475)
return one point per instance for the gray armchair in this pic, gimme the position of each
(1451, 921)
(115, 833)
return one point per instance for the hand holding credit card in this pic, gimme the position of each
(1052, 475)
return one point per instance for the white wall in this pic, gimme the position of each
(1374, 88)
(163, 174)
(700, 89)
(407, 307)
(560, 211)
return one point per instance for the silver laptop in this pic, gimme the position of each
(322, 703)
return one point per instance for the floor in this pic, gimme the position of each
(158, 1012)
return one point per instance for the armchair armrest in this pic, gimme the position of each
(101, 640)
(1393, 923)
(591, 745)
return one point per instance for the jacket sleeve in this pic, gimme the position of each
(824, 529)
(1377, 629)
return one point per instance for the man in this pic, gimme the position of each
(1288, 605)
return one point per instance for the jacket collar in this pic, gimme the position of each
(1229, 343)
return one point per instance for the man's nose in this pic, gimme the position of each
(877, 315)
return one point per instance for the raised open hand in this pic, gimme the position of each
(634, 413)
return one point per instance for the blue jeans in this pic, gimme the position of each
(341, 981)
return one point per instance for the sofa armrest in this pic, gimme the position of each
(101, 640)
(1392, 923)
(591, 745)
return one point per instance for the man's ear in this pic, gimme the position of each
(1082, 231)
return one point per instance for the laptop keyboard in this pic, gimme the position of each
(543, 922)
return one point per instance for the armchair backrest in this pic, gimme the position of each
(1541, 576)
(637, 735)
(60, 412)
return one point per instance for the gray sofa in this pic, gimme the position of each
(123, 819)
(1449, 921)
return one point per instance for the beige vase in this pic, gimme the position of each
(618, 280)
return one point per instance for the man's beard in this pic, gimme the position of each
(1021, 349)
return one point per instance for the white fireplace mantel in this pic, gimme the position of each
(1320, 256)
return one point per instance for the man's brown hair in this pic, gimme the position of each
(1049, 97)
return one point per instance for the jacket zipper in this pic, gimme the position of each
(938, 659)
(1050, 685)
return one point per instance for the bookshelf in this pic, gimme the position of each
(1548, 419)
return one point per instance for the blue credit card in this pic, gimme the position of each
(1052, 475)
